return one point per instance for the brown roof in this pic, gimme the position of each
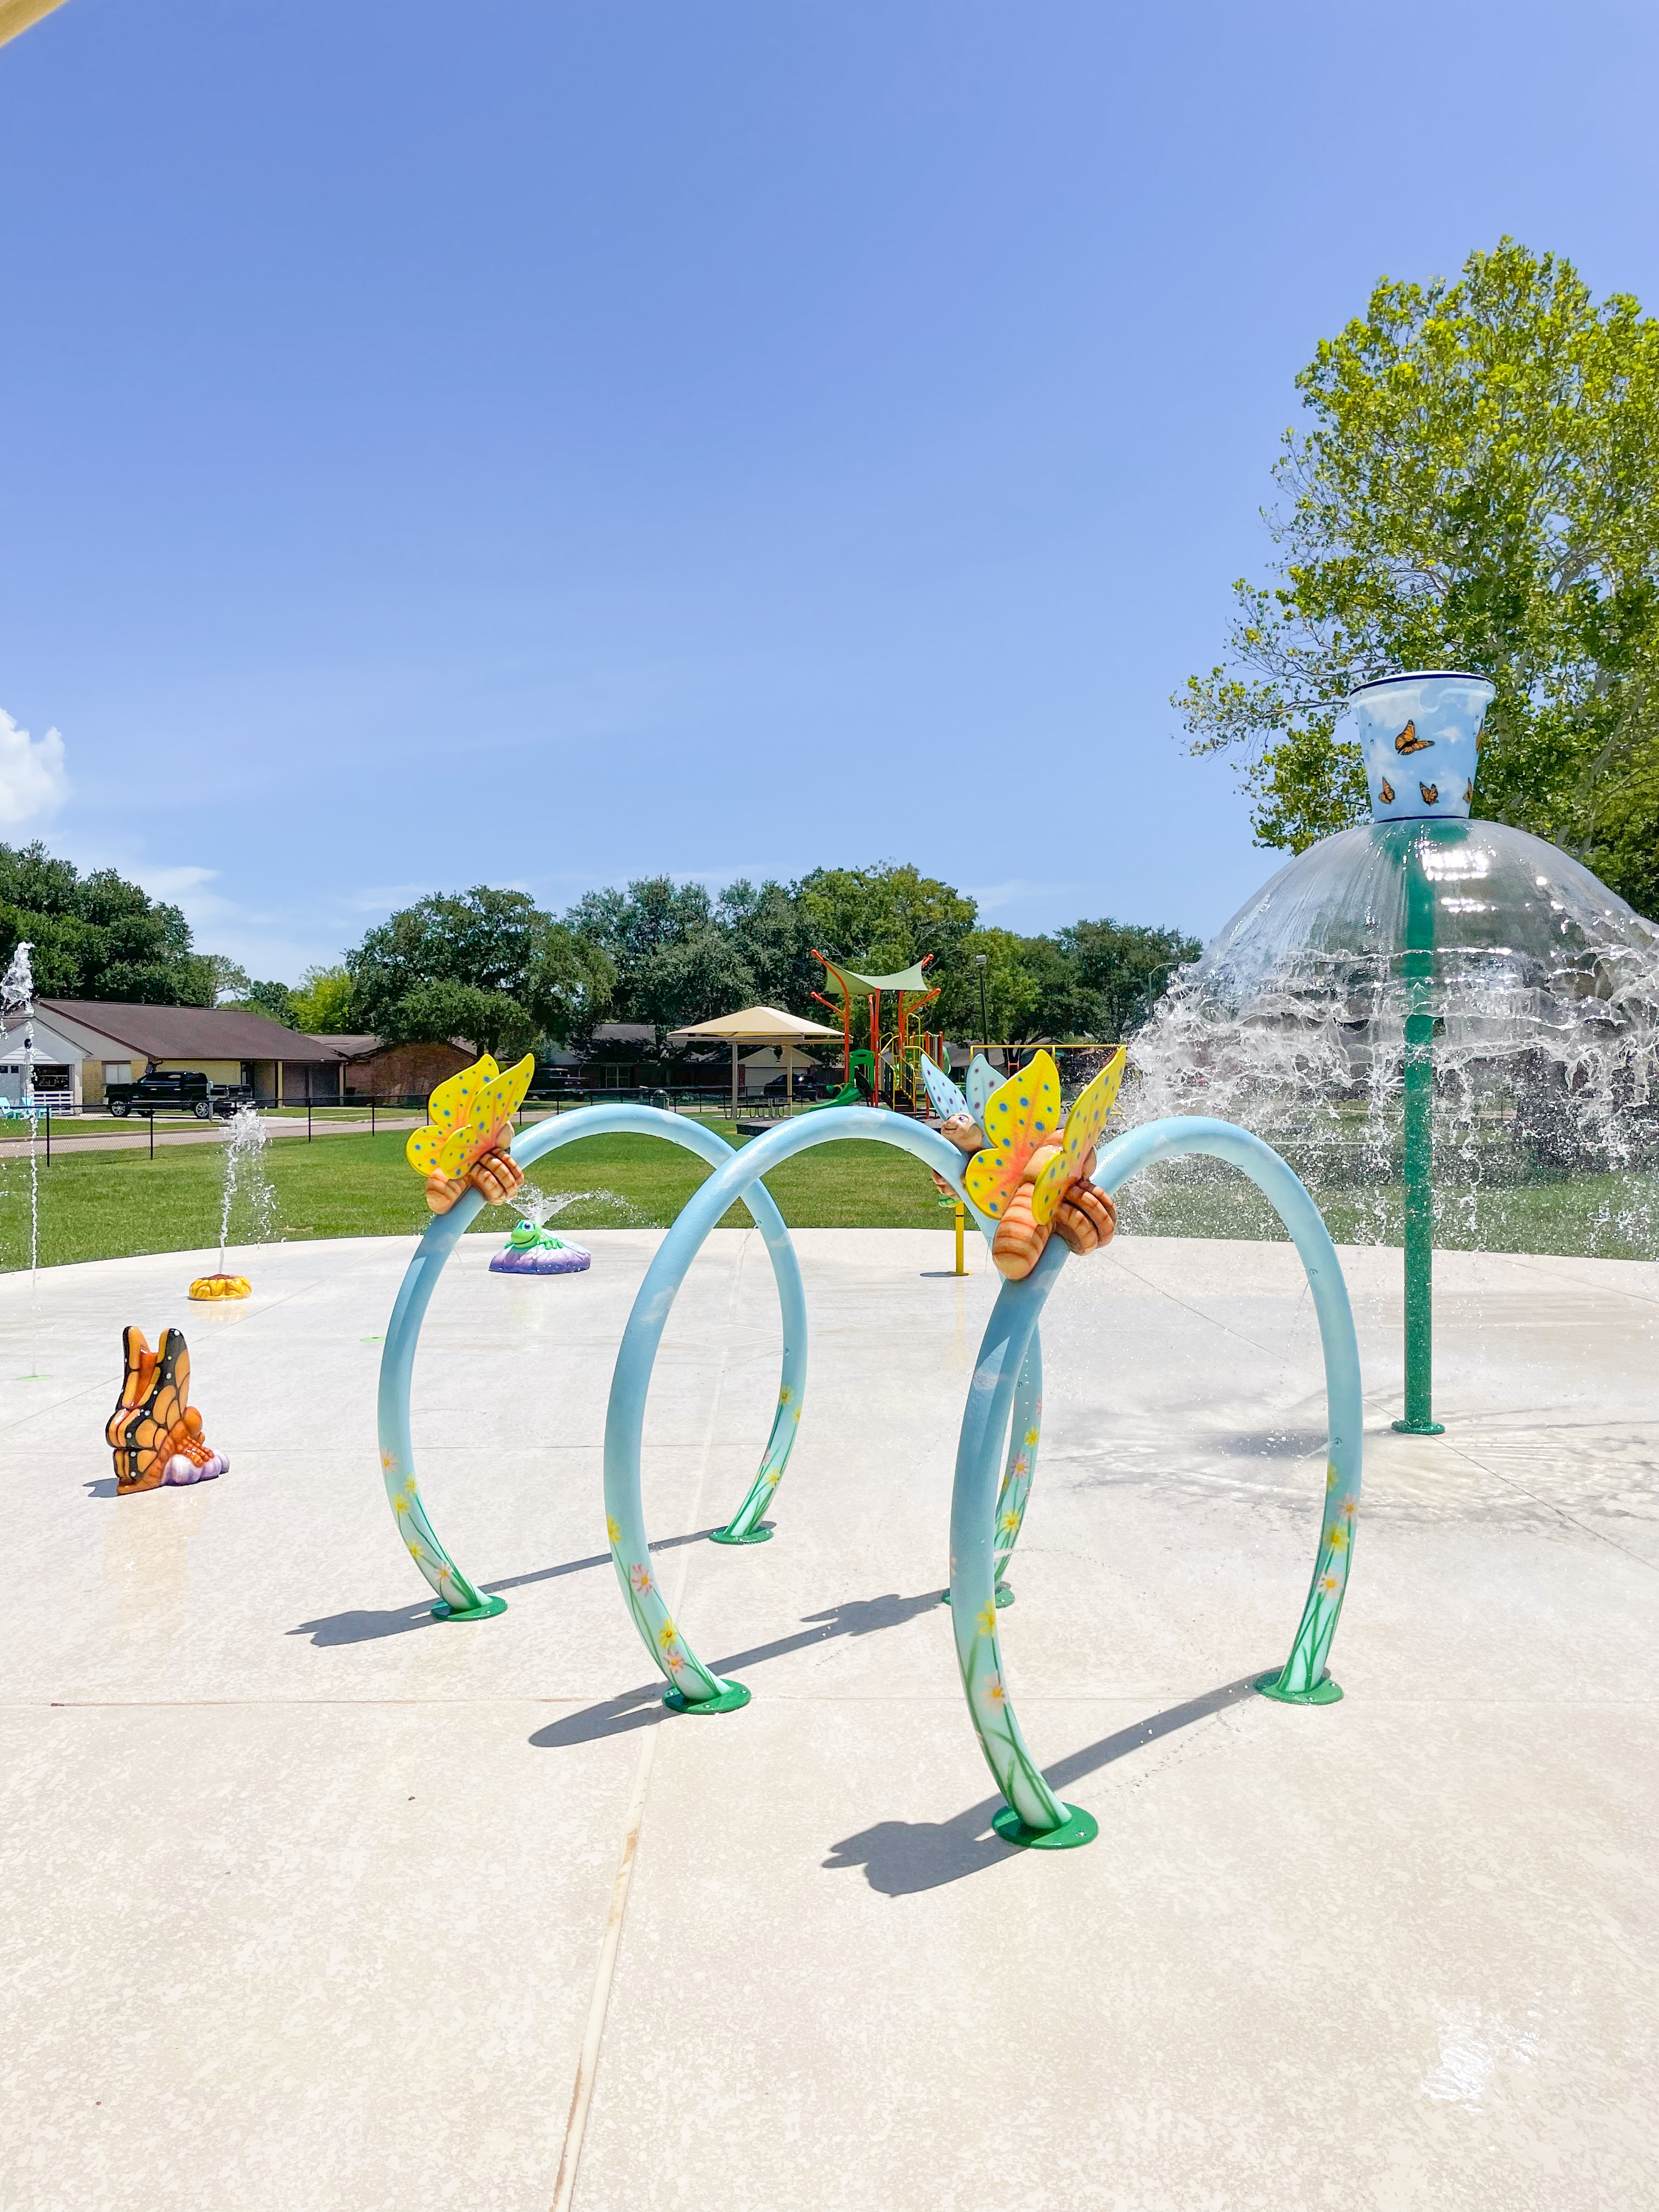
(195, 1032)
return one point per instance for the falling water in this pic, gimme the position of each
(18, 994)
(244, 1176)
(1545, 990)
(539, 1207)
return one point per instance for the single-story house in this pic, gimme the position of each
(374, 1068)
(81, 1045)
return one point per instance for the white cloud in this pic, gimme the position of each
(33, 784)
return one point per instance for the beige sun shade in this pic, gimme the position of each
(764, 1024)
(16, 15)
(761, 1025)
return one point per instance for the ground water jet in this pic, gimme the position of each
(245, 1140)
(1443, 1022)
(17, 996)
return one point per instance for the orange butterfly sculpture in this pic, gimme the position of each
(1032, 1176)
(155, 1435)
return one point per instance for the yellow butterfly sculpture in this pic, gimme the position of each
(466, 1115)
(1021, 1114)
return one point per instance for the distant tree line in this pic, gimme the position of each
(491, 966)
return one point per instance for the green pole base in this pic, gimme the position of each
(1323, 1692)
(731, 1699)
(1004, 1595)
(1078, 1828)
(1420, 1428)
(760, 1533)
(485, 1609)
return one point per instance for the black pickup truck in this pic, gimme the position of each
(184, 1093)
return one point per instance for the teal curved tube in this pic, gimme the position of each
(974, 1533)
(691, 1683)
(458, 1597)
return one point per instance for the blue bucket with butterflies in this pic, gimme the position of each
(1419, 734)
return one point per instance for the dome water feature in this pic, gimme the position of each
(1427, 1012)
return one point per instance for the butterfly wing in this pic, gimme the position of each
(982, 1082)
(943, 1095)
(1018, 1114)
(494, 1103)
(448, 1110)
(1083, 1127)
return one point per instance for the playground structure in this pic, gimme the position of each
(892, 1067)
(1002, 1422)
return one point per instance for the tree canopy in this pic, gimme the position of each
(487, 965)
(680, 956)
(1478, 489)
(98, 936)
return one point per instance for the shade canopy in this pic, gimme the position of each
(761, 1024)
(16, 15)
(852, 985)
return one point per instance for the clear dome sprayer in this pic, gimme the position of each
(1450, 1027)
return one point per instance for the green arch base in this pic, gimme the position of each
(485, 1609)
(1323, 1692)
(732, 1698)
(1077, 1827)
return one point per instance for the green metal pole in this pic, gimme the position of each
(1418, 968)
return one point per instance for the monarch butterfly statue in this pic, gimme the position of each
(156, 1435)
(1026, 1172)
(468, 1126)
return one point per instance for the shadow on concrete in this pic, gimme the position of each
(638, 1708)
(104, 1488)
(578, 1566)
(363, 1627)
(901, 1857)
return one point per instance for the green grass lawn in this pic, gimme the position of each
(1607, 1217)
(100, 1206)
(104, 1205)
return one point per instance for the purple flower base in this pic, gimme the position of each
(541, 1260)
(181, 1469)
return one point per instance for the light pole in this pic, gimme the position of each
(984, 1022)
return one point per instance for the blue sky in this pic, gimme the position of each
(546, 444)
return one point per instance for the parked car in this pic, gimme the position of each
(185, 1092)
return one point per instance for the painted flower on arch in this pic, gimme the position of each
(986, 1619)
(613, 1528)
(993, 1694)
(640, 1578)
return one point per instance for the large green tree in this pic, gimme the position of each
(1477, 486)
(682, 957)
(1119, 970)
(487, 965)
(98, 936)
